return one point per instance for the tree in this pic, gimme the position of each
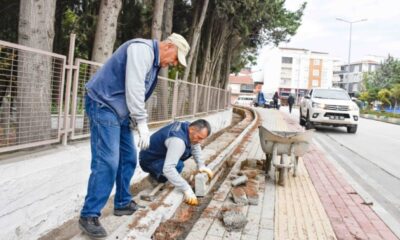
(106, 30)
(385, 76)
(384, 96)
(198, 24)
(395, 93)
(36, 29)
(251, 24)
(158, 10)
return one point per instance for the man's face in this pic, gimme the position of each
(170, 56)
(197, 136)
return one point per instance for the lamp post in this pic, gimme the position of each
(351, 28)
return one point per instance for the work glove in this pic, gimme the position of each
(190, 197)
(205, 169)
(144, 136)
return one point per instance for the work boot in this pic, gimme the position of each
(92, 227)
(127, 210)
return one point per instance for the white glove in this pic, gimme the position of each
(190, 197)
(205, 169)
(144, 136)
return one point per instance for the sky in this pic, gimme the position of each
(320, 31)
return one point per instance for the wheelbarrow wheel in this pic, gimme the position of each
(296, 162)
(268, 158)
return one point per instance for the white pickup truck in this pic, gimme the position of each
(329, 107)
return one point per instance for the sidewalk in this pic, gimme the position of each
(320, 204)
(317, 204)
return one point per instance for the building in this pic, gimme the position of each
(241, 84)
(351, 75)
(295, 70)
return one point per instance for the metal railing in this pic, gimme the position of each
(42, 97)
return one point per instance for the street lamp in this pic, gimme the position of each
(351, 27)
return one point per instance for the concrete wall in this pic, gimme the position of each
(42, 190)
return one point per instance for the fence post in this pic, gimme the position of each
(69, 69)
(219, 94)
(196, 89)
(175, 97)
(208, 98)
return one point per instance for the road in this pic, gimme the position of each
(369, 159)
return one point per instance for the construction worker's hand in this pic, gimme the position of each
(144, 136)
(205, 169)
(190, 197)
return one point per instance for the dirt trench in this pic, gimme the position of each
(180, 225)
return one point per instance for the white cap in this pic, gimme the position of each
(182, 45)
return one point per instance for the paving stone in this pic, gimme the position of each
(216, 229)
(239, 181)
(251, 191)
(265, 234)
(239, 195)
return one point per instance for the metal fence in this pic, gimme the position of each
(38, 107)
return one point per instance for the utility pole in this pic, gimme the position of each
(349, 54)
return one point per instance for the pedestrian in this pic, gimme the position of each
(115, 98)
(260, 99)
(169, 148)
(276, 98)
(290, 102)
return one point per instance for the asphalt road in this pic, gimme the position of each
(369, 159)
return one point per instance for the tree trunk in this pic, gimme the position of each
(35, 71)
(156, 101)
(196, 36)
(194, 65)
(157, 19)
(206, 52)
(166, 31)
(106, 30)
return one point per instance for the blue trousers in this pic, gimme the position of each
(155, 168)
(113, 159)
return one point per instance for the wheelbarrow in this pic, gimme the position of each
(288, 145)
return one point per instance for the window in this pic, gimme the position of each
(248, 88)
(315, 73)
(285, 81)
(315, 83)
(317, 62)
(287, 60)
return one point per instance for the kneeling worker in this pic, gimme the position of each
(169, 148)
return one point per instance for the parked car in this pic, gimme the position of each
(245, 100)
(329, 107)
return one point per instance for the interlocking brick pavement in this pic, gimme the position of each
(350, 216)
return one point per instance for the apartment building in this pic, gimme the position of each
(241, 84)
(295, 70)
(351, 75)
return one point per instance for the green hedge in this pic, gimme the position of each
(380, 113)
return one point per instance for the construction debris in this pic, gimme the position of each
(239, 181)
(233, 218)
(239, 196)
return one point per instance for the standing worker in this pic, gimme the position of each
(116, 96)
(290, 102)
(169, 148)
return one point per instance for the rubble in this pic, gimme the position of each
(239, 181)
(239, 196)
(233, 218)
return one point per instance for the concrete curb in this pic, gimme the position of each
(147, 225)
(201, 179)
(381, 119)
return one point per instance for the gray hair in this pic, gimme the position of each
(201, 124)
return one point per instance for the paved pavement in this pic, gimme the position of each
(317, 204)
